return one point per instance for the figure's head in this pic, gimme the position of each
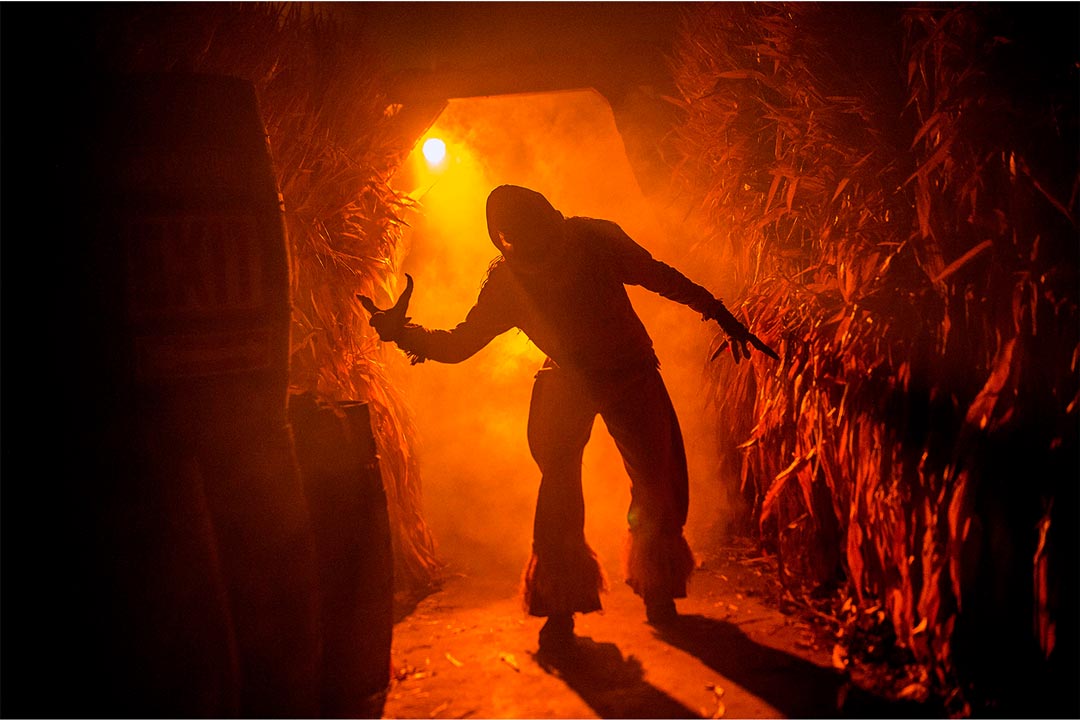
(523, 225)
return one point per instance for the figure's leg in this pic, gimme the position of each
(642, 421)
(563, 575)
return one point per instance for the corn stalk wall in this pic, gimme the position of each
(894, 190)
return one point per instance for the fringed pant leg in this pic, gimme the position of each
(563, 574)
(643, 423)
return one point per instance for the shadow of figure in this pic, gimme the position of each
(613, 686)
(791, 684)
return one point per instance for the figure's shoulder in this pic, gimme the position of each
(602, 236)
(594, 227)
(497, 275)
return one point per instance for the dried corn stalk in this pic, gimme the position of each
(904, 231)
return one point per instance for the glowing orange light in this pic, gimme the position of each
(434, 151)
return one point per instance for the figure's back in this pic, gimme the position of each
(578, 312)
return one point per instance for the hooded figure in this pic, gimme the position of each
(562, 282)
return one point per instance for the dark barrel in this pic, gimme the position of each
(179, 578)
(192, 230)
(339, 466)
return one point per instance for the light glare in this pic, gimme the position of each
(434, 151)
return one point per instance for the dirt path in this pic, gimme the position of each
(470, 651)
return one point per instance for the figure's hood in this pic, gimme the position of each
(528, 221)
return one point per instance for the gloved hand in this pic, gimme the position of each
(739, 336)
(389, 323)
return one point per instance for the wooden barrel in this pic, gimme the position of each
(197, 540)
(192, 232)
(339, 465)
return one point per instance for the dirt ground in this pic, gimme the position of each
(469, 650)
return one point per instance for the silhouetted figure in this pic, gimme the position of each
(561, 281)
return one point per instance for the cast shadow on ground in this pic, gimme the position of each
(794, 686)
(612, 685)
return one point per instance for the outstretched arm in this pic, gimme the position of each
(638, 267)
(482, 324)
(668, 282)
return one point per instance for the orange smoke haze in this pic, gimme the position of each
(479, 480)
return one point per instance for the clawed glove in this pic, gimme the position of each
(389, 323)
(739, 336)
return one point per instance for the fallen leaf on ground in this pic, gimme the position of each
(914, 691)
(839, 657)
(510, 660)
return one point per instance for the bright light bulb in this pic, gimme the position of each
(434, 151)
